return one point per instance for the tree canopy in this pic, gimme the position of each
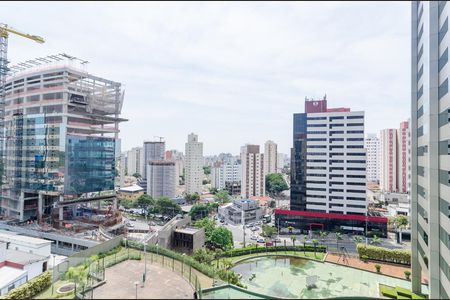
(192, 198)
(206, 223)
(207, 170)
(167, 206)
(222, 237)
(268, 231)
(137, 175)
(275, 184)
(222, 196)
(199, 211)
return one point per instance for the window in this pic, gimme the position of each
(356, 169)
(316, 140)
(420, 92)
(441, 6)
(443, 59)
(316, 125)
(336, 118)
(355, 124)
(420, 53)
(356, 176)
(420, 33)
(317, 189)
(355, 139)
(420, 171)
(316, 153)
(419, 74)
(420, 112)
(444, 147)
(355, 206)
(355, 146)
(355, 131)
(317, 146)
(316, 160)
(356, 198)
(355, 191)
(350, 161)
(338, 161)
(336, 132)
(316, 132)
(443, 89)
(52, 96)
(354, 117)
(33, 98)
(336, 140)
(443, 30)
(316, 118)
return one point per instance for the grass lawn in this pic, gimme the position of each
(47, 294)
(308, 255)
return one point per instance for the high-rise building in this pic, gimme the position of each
(328, 172)
(62, 126)
(252, 179)
(388, 167)
(372, 145)
(135, 161)
(270, 158)
(152, 151)
(226, 172)
(193, 165)
(430, 151)
(161, 179)
(403, 158)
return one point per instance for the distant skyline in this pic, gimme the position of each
(233, 73)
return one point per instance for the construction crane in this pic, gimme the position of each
(5, 31)
(160, 138)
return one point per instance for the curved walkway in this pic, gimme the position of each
(161, 283)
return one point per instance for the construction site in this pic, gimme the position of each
(59, 145)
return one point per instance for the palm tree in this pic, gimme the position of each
(293, 239)
(375, 240)
(315, 242)
(323, 234)
(358, 239)
(338, 238)
(290, 228)
(304, 244)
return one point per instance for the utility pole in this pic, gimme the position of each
(366, 230)
(243, 223)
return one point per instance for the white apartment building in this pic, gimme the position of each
(152, 151)
(270, 158)
(227, 172)
(430, 147)
(336, 162)
(161, 179)
(135, 161)
(193, 165)
(372, 145)
(388, 167)
(252, 179)
(404, 158)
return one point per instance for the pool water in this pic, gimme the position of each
(286, 277)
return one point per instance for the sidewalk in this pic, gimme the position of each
(386, 268)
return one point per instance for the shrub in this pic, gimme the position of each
(31, 288)
(384, 254)
(364, 258)
(388, 291)
(256, 249)
(378, 268)
(407, 274)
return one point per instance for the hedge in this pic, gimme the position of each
(31, 288)
(260, 249)
(384, 254)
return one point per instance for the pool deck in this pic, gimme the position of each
(386, 268)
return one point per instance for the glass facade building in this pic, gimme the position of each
(61, 126)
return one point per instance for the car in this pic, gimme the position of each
(254, 237)
(254, 228)
(132, 219)
(269, 243)
(129, 225)
(248, 225)
(260, 240)
(276, 240)
(151, 223)
(222, 221)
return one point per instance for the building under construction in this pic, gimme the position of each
(61, 144)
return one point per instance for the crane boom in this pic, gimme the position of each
(5, 30)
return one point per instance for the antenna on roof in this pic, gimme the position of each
(325, 97)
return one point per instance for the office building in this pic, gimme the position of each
(135, 161)
(193, 165)
(241, 210)
(161, 179)
(270, 158)
(388, 167)
(430, 151)
(372, 146)
(252, 179)
(63, 126)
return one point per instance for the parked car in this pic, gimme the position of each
(269, 244)
(276, 240)
(254, 228)
(129, 225)
(132, 219)
(260, 240)
(254, 237)
(248, 225)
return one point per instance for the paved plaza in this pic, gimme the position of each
(161, 283)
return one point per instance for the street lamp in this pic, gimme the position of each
(136, 283)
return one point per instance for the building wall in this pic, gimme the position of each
(388, 146)
(252, 179)
(372, 145)
(130, 196)
(161, 179)
(227, 172)
(430, 139)
(193, 165)
(135, 161)
(34, 269)
(152, 151)
(270, 158)
(403, 157)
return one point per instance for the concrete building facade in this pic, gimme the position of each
(227, 172)
(193, 165)
(161, 179)
(252, 179)
(270, 158)
(153, 151)
(372, 146)
(135, 161)
(388, 168)
(404, 158)
(430, 151)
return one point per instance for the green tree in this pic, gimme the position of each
(78, 275)
(222, 237)
(268, 231)
(304, 244)
(209, 226)
(315, 242)
(290, 228)
(213, 190)
(358, 239)
(207, 170)
(401, 221)
(199, 211)
(127, 203)
(338, 238)
(222, 196)
(272, 204)
(275, 184)
(293, 239)
(192, 198)
(375, 240)
(203, 255)
(137, 175)
(167, 206)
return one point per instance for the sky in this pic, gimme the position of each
(233, 73)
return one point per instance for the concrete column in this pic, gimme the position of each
(21, 206)
(115, 202)
(40, 204)
(61, 213)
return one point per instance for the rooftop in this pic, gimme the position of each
(22, 257)
(13, 237)
(9, 275)
(133, 188)
(187, 230)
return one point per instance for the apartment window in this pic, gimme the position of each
(316, 132)
(441, 6)
(316, 168)
(354, 117)
(444, 118)
(443, 89)
(421, 150)
(336, 183)
(443, 30)
(316, 140)
(421, 171)
(336, 125)
(355, 146)
(357, 183)
(52, 96)
(316, 182)
(336, 198)
(316, 118)
(356, 169)
(355, 206)
(316, 125)
(317, 146)
(33, 110)
(420, 112)
(336, 132)
(444, 147)
(355, 139)
(419, 74)
(443, 59)
(337, 190)
(421, 191)
(420, 131)
(316, 160)
(336, 168)
(355, 124)
(356, 198)
(317, 189)
(316, 196)
(336, 118)
(355, 154)
(33, 98)
(317, 175)
(338, 161)
(420, 33)
(351, 161)
(316, 153)
(355, 131)
(355, 191)
(336, 140)
(356, 176)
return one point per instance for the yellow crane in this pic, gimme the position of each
(5, 31)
